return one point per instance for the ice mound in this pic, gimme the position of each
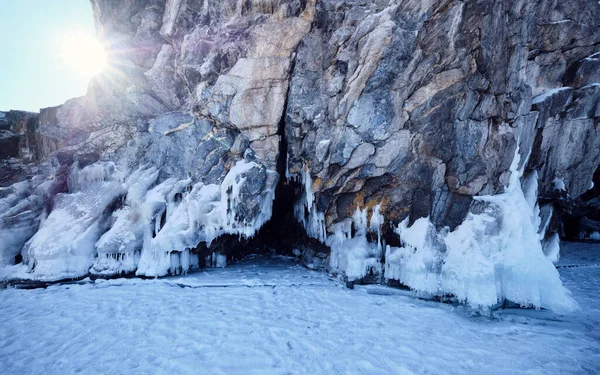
(118, 249)
(501, 253)
(492, 256)
(23, 206)
(418, 262)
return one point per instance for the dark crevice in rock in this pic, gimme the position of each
(282, 232)
(232, 246)
(594, 192)
(581, 218)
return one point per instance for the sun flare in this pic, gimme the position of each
(84, 54)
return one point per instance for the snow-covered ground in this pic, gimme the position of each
(269, 316)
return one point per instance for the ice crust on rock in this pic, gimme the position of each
(23, 207)
(64, 246)
(113, 221)
(205, 213)
(119, 248)
(19, 219)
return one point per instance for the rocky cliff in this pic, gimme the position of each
(438, 144)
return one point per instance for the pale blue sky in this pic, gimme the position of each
(33, 74)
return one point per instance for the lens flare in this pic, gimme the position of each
(84, 54)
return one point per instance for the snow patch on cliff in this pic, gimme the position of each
(540, 98)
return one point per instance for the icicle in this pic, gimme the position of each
(545, 214)
(157, 222)
(354, 255)
(314, 221)
(185, 261)
(376, 222)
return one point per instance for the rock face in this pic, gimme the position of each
(372, 118)
(421, 105)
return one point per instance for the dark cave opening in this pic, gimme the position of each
(594, 192)
(581, 218)
(282, 234)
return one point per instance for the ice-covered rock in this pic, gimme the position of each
(64, 246)
(113, 221)
(492, 256)
(207, 212)
(118, 249)
(20, 213)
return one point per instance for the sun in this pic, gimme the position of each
(84, 54)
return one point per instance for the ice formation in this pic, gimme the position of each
(418, 262)
(551, 248)
(559, 184)
(354, 254)
(19, 219)
(351, 252)
(205, 213)
(216, 260)
(64, 246)
(499, 254)
(119, 248)
(492, 256)
(541, 98)
(305, 210)
(150, 231)
(23, 206)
